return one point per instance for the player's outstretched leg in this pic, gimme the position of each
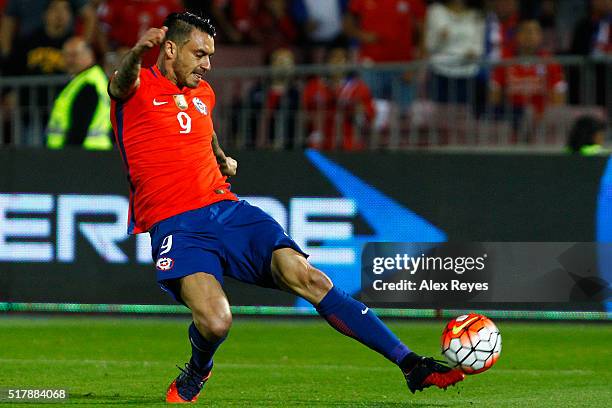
(354, 319)
(211, 323)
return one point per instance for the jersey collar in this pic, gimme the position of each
(158, 75)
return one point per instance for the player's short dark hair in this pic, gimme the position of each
(180, 26)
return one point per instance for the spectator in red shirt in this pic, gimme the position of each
(264, 22)
(339, 109)
(124, 21)
(387, 31)
(528, 86)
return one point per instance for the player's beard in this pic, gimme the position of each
(198, 77)
(193, 78)
(187, 78)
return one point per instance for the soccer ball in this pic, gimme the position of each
(471, 343)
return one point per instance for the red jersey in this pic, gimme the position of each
(326, 105)
(127, 20)
(164, 134)
(243, 13)
(530, 84)
(393, 22)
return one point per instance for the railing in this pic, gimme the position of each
(263, 107)
(26, 106)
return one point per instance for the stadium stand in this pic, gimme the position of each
(251, 30)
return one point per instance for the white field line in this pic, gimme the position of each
(146, 363)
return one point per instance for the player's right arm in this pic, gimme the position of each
(126, 80)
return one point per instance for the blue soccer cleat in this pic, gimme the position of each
(187, 386)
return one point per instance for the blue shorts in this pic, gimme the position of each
(227, 238)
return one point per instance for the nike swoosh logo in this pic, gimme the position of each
(156, 103)
(457, 329)
(364, 311)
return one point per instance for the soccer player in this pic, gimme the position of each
(200, 232)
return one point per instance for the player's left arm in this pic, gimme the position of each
(227, 165)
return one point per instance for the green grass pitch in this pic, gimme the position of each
(296, 363)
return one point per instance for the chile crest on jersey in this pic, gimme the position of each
(200, 106)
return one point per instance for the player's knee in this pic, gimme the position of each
(219, 326)
(304, 278)
(214, 325)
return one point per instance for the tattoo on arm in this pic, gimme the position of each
(124, 82)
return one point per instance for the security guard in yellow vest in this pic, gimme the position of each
(81, 113)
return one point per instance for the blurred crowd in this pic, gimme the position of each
(460, 39)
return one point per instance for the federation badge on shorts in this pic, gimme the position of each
(164, 264)
(200, 106)
(180, 101)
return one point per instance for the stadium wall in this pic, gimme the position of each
(63, 214)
